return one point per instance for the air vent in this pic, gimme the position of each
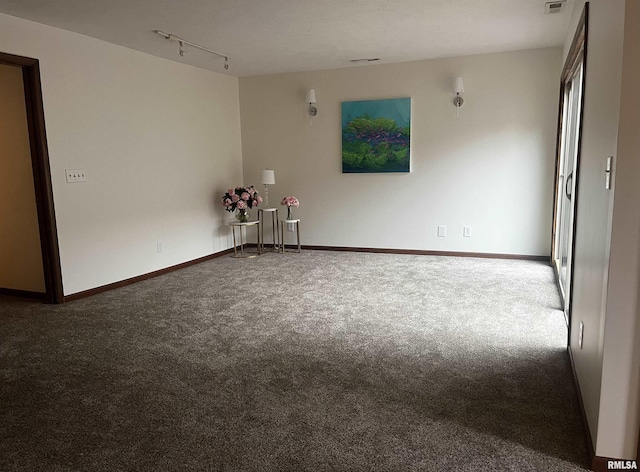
(554, 7)
(369, 59)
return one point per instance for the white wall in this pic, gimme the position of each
(618, 425)
(599, 140)
(607, 256)
(491, 169)
(160, 142)
(20, 253)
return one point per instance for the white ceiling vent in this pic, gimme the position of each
(554, 7)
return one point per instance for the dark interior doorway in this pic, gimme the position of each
(41, 174)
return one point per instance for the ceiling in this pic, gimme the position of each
(273, 36)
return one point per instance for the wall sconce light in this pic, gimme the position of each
(268, 177)
(311, 101)
(458, 89)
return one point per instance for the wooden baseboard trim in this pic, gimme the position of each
(601, 464)
(598, 463)
(585, 424)
(139, 278)
(12, 292)
(417, 252)
(132, 280)
(421, 252)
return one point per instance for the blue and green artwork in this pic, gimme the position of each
(376, 135)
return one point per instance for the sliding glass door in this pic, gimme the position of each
(572, 83)
(569, 144)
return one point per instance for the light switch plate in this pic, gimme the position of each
(580, 334)
(75, 175)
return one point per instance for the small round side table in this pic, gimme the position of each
(275, 234)
(242, 253)
(292, 221)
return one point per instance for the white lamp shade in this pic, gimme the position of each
(459, 86)
(311, 96)
(268, 176)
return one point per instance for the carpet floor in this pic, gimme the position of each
(320, 361)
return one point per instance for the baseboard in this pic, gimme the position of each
(139, 278)
(585, 424)
(417, 252)
(601, 464)
(598, 463)
(12, 292)
(420, 252)
(132, 280)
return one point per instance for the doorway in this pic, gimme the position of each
(41, 174)
(568, 163)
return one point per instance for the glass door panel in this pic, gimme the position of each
(566, 181)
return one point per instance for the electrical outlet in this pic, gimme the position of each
(75, 175)
(158, 247)
(442, 231)
(466, 231)
(580, 334)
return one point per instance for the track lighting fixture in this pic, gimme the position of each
(181, 42)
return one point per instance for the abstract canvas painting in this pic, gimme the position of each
(376, 135)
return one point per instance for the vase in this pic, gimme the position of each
(242, 215)
(289, 215)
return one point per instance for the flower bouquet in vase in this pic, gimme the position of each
(241, 200)
(290, 202)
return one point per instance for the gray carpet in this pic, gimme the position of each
(320, 361)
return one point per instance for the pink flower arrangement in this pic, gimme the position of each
(241, 198)
(290, 201)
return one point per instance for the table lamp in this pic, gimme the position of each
(268, 177)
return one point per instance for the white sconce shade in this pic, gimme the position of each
(310, 99)
(459, 86)
(268, 176)
(311, 96)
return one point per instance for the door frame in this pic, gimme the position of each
(578, 48)
(41, 174)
